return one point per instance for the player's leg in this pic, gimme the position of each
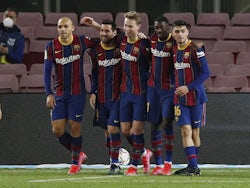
(75, 113)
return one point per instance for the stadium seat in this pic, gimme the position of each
(207, 34)
(51, 18)
(87, 31)
(240, 19)
(233, 82)
(230, 46)
(18, 70)
(238, 33)
(186, 16)
(243, 58)
(32, 84)
(213, 19)
(208, 83)
(46, 33)
(119, 20)
(221, 90)
(33, 19)
(245, 90)
(36, 68)
(29, 34)
(222, 58)
(8, 83)
(215, 70)
(98, 16)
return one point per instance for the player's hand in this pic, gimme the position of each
(181, 91)
(4, 50)
(51, 101)
(87, 21)
(141, 35)
(92, 100)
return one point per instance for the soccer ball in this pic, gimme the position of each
(124, 157)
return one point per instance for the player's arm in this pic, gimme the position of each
(90, 22)
(50, 101)
(94, 80)
(204, 72)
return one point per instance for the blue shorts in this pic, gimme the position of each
(69, 107)
(107, 114)
(132, 107)
(190, 115)
(160, 104)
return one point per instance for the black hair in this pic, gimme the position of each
(13, 10)
(161, 19)
(181, 23)
(110, 22)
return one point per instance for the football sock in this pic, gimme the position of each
(76, 146)
(108, 145)
(65, 140)
(115, 143)
(130, 139)
(191, 156)
(169, 143)
(156, 142)
(138, 147)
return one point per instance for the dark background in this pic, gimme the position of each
(26, 137)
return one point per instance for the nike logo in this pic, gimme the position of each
(197, 121)
(116, 121)
(78, 115)
(57, 51)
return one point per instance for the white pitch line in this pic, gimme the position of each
(72, 179)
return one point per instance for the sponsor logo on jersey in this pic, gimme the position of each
(128, 57)
(66, 60)
(181, 65)
(109, 62)
(161, 53)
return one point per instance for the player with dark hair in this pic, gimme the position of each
(160, 96)
(105, 92)
(191, 71)
(135, 65)
(11, 38)
(67, 100)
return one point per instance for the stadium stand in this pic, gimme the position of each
(240, 19)
(186, 16)
(222, 58)
(119, 20)
(51, 18)
(207, 34)
(8, 83)
(32, 19)
(213, 19)
(18, 70)
(29, 34)
(87, 31)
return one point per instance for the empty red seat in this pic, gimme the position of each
(32, 84)
(16, 69)
(119, 20)
(87, 31)
(243, 58)
(8, 83)
(215, 70)
(98, 16)
(36, 68)
(235, 82)
(51, 18)
(46, 33)
(213, 19)
(186, 16)
(223, 58)
(240, 19)
(207, 34)
(33, 19)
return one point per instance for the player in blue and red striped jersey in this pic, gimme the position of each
(191, 71)
(67, 100)
(105, 91)
(135, 66)
(160, 96)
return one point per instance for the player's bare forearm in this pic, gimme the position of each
(90, 22)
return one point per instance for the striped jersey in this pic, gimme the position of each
(191, 69)
(135, 65)
(67, 60)
(106, 72)
(161, 73)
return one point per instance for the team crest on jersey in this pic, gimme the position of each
(136, 50)
(77, 47)
(169, 44)
(186, 55)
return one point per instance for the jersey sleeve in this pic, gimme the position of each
(204, 72)
(48, 63)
